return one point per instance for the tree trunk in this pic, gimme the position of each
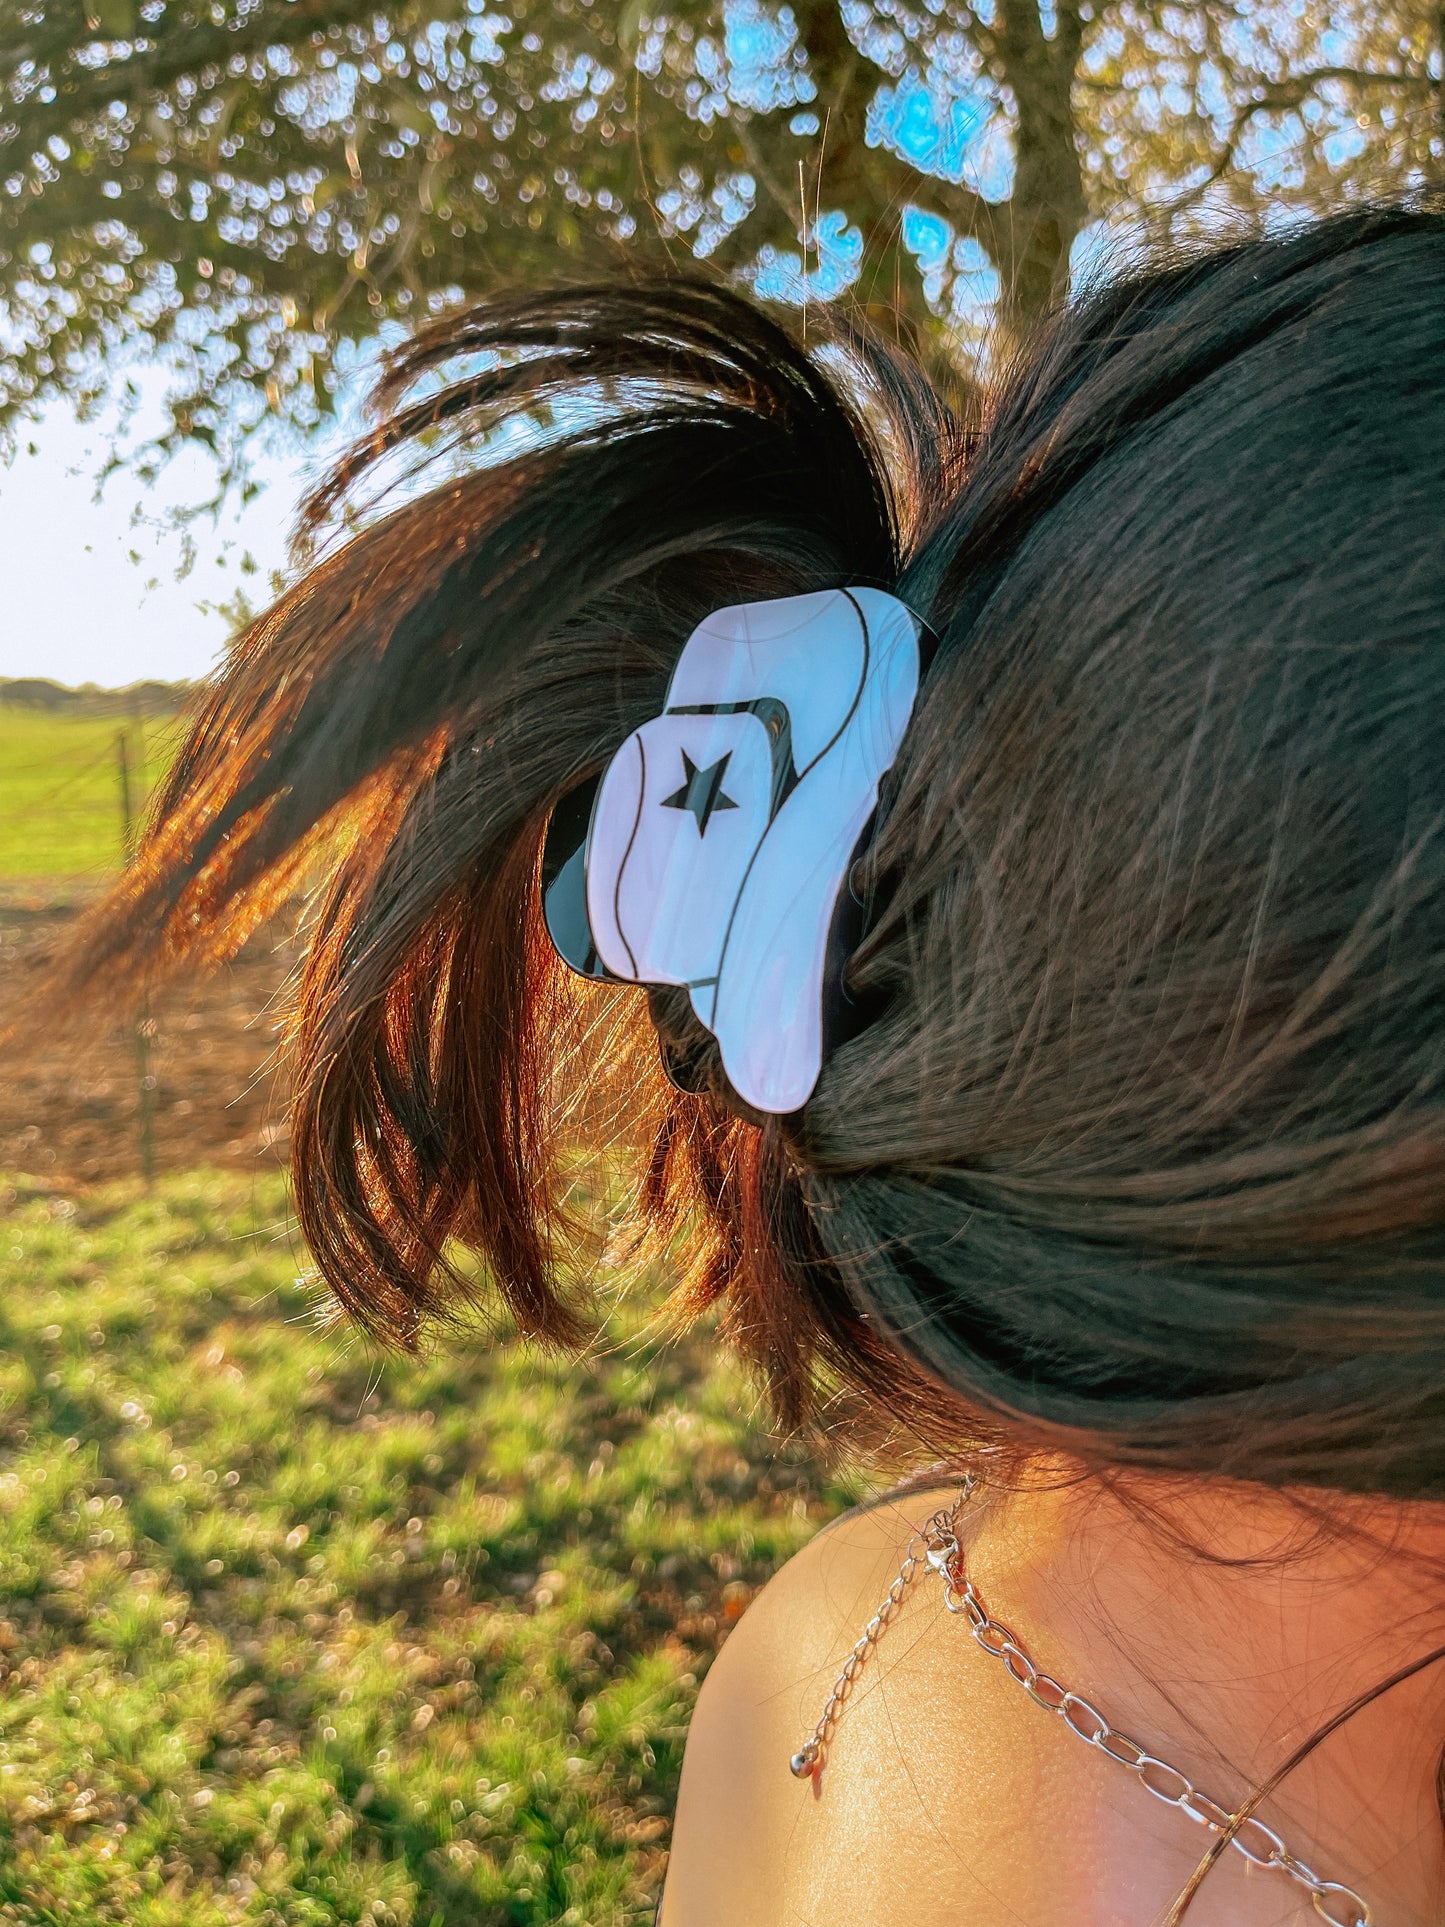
(1047, 205)
(1028, 237)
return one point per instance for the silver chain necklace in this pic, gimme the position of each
(937, 1549)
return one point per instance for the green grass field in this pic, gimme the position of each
(293, 1637)
(60, 790)
(290, 1636)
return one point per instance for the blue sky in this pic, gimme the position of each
(77, 608)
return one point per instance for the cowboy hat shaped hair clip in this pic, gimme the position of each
(714, 848)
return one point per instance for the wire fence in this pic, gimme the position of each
(129, 769)
(92, 813)
(62, 812)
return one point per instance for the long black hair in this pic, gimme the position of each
(1143, 1155)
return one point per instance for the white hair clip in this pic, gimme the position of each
(714, 849)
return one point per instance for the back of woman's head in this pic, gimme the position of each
(1141, 1151)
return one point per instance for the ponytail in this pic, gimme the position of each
(1138, 1152)
(405, 717)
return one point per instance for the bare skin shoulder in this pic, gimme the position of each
(743, 1820)
(947, 1796)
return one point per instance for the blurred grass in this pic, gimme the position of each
(60, 797)
(293, 1637)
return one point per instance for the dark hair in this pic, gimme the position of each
(1143, 1156)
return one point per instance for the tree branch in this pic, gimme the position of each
(1357, 76)
(1281, 97)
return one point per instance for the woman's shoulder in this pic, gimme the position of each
(739, 1805)
(802, 1625)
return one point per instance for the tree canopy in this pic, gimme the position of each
(247, 182)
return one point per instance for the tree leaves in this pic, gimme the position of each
(207, 173)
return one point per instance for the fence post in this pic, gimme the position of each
(141, 1029)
